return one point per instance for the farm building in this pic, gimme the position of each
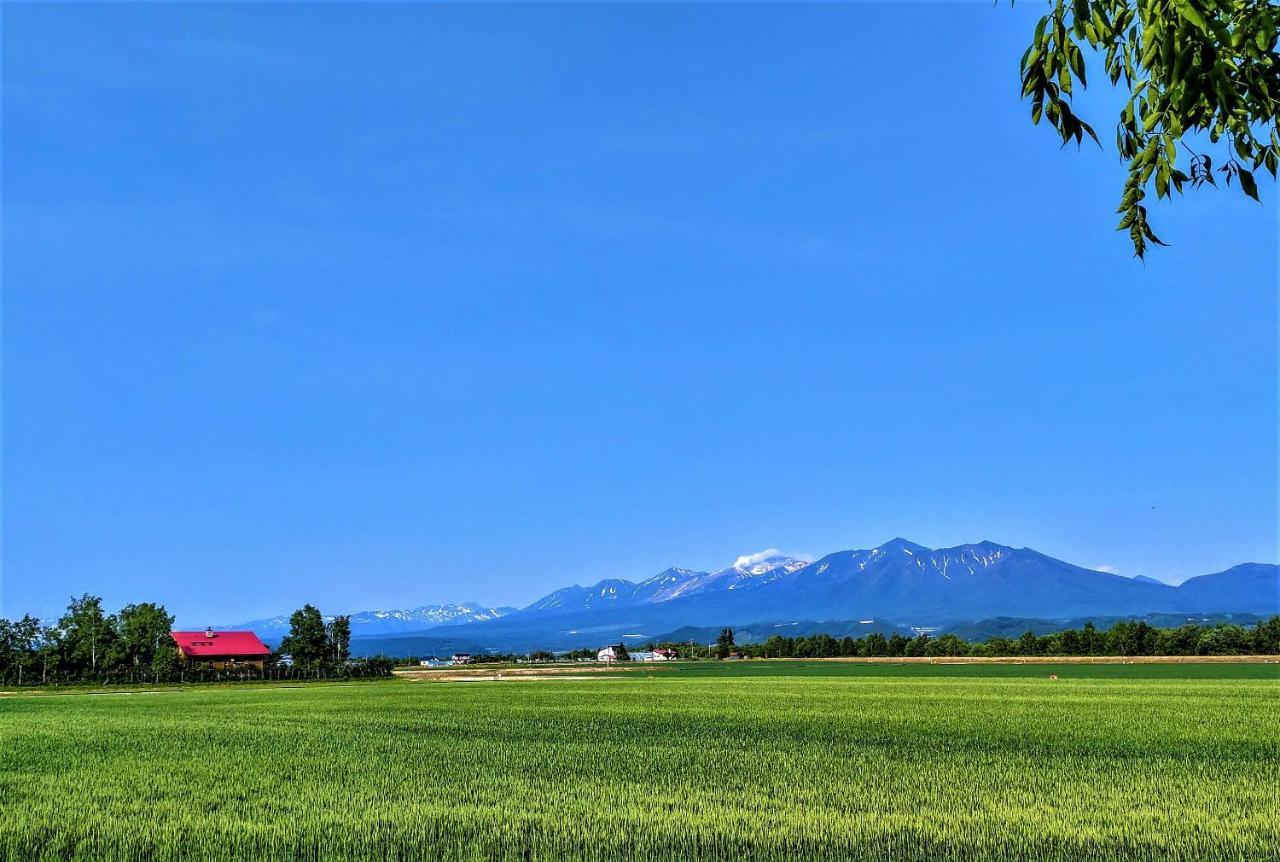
(432, 661)
(461, 658)
(616, 652)
(664, 655)
(221, 649)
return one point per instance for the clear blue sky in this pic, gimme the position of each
(399, 304)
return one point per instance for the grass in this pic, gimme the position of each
(752, 760)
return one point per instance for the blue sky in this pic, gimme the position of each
(401, 304)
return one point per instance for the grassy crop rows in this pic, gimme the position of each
(772, 761)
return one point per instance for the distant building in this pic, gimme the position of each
(616, 652)
(641, 655)
(431, 661)
(664, 655)
(221, 650)
(462, 658)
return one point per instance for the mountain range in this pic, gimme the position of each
(900, 581)
(367, 623)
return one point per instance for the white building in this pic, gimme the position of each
(611, 653)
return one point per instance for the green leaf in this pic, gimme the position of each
(1248, 185)
(1192, 14)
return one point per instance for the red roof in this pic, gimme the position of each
(199, 644)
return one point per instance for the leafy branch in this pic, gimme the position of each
(1193, 69)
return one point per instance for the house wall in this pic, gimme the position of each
(223, 662)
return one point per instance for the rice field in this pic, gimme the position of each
(759, 760)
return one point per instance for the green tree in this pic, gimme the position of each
(724, 643)
(164, 662)
(1223, 640)
(897, 645)
(19, 641)
(1028, 644)
(1202, 76)
(87, 635)
(876, 645)
(1266, 637)
(142, 632)
(1091, 643)
(777, 647)
(918, 646)
(339, 637)
(307, 641)
(948, 645)
(50, 652)
(825, 646)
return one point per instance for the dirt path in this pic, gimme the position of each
(519, 674)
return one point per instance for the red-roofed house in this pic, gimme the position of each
(221, 649)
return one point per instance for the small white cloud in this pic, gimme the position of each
(748, 560)
(1110, 570)
(757, 557)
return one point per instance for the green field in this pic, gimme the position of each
(759, 760)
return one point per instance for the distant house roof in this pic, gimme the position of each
(200, 645)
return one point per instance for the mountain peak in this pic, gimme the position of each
(901, 545)
(765, 561)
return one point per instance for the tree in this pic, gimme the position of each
(50, 650)
(777, 647)
(87, 634)
(947, 645)
(1192, 68)
(918, 645)
(1027, 644)
(19, 641)
(876, 645)
(724, 643)
(897, 645)
(307, 640)
(164, 663)
(1266, 637)
(339, 637)
(1223, 640)
(1091, 642)
(143, 632)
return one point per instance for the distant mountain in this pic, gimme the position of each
(668, 585)
(1146, 580)
(1247, 588)
(1013, 627)
(908, 583)
(370, 623)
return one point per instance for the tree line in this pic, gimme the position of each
(1131, 638)
(134, 645)
(1127, 638)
